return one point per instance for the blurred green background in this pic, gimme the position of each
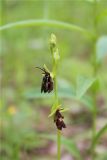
(25, 127)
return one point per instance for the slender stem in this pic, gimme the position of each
(58, 144)
(55, 80)
(56, 100)
(56, 57)
(94, 93)
(95, 72)
(94, 127)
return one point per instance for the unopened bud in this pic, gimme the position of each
(53, 40)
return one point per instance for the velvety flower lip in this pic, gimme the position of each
(58, 119)
(47, 82)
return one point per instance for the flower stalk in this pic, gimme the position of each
(56, 57)
(95, 73)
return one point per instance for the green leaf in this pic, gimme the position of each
(36, 93)
(102, 15)
(93, 1)
(50, 23)
(88, 102)
(65, 90)
(83, 84)
(96, 85)
(101, 48)
(98, 135)
(102, 156)
(68, 144)
(71, 147)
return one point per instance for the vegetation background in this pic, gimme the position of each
(26, 131)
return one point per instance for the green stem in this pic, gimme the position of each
(56, 100)
(94, 93)
(16, 152)
(55, 81)
(56, 57)
(58, 144)
(94, 128)
(95, 72)
(58, 131)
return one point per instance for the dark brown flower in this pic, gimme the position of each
(47, 82)
(58, 119)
